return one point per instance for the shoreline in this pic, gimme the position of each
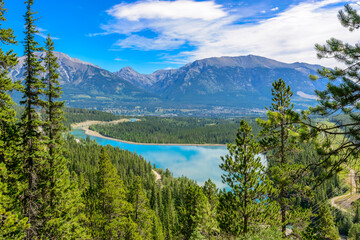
(96, 134)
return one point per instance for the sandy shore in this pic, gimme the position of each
(89, 123)
(85, 126)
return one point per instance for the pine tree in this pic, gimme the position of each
(325, 226)
(58, 200)
(12, 226)
(227, 212)
(109, 210)
(280, 140)
(8, 61)
(210, 226)
(157, 232)
(33, 148)
(168, 212)
(193, 213)
(357, 213)
(211, 192)
(341, 96)
(75, 227)
(354, 232)
(142, 215)
(248, 184)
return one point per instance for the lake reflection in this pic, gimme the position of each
(196, 162)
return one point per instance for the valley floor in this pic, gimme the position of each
(85, 126)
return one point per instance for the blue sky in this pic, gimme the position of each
(149, 35)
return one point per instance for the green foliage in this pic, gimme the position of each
(280, 140)
(12, 224)
(55, 189)
(106, 200)
(196, 216)
(173, 130)
(339, 141)
(33, 146)
(58, 209)
(344, 222)
(247, 200)
(77, 115)
(324, 226)
(354, 233)
(142, 214)
(357, 213)
(262, 232)
(165, 197)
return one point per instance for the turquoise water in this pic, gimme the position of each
(196, 162)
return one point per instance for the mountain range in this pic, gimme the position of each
(240, 82)
(88, 86)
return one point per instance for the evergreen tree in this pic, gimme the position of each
(12, 226)
(8, 60)
(142, 215)
(279, 139)
(248, 184)
(342, 138)
(168, 213)
(157, 232)
(227, 212)
(357, 213)
(33, 148)
(58, 196)
(323, 226)
(210, 225)
(109, 210)
(211, 192)
(194, 213)
(75, 227)
(354, 233)
(345, 223)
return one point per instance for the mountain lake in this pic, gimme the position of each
(195, 162)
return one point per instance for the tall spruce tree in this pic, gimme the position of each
(61, 198)
(33, 147)
(195, 214)
(341, 141)
(280, 140)
(325, 225)
(12, 226)
(142, 215)
(249, 186)
(168, 213)
(109, 209)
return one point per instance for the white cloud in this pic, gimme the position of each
(206, 10)
(42, 33)
(307, 96)
(289, 36)
(139, 42)
(274, 9)
(120, 59)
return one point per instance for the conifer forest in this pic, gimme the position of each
(55, 186)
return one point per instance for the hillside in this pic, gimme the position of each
(86, 85)
(225, 83)
(228, 81)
